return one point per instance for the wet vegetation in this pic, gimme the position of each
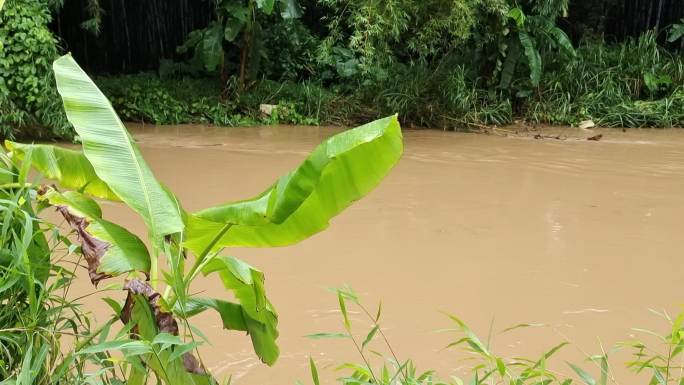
(440, 64)
(660, 361)
(437, 63)
(155, 338)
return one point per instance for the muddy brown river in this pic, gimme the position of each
(581, 236)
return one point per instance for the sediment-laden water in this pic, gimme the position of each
(582, 236)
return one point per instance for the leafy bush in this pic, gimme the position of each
(288, 51)
(149, 98)
(366, 37)
(29, 104)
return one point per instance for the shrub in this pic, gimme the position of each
(29, 104)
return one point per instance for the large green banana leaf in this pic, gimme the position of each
(6, 168)
(255, 314)
(109, 249)
(71, 169)
(112, 151)
(338, 172)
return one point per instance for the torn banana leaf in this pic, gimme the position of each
(338, 172)
(71, 169)
(109, 249)
(255, 314)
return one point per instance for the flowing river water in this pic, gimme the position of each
(581, 236)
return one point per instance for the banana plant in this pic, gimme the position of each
(238, 22)
(529, 34)
(158, 303)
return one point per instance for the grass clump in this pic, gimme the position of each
(660, 363)
(39, 326)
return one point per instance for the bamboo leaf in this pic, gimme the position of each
(112, 152)
(500, 367)
(586, 377)
(320, 336)
(131, 347)
(604, 371)
(370, 336)
(343, 310)
(338, 172)
(314, 372)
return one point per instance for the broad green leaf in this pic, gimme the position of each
(71, 169)
(508, 68)
(517, 15)
(233, 27)
(338, 172)
(266, 5)
(211, 46)
(2, 4)
(291, 9)
(563, 40)
(260, 318)
(237, 10)
(112, 151)
(109, 249)
(533, 57)
(676, 32)
(232, 314)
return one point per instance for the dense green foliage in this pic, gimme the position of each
(448, 64)
(157, 340)
(28, 98)
(632, 84)
(442, 64)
